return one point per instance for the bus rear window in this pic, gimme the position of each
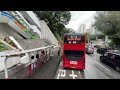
(74, 55)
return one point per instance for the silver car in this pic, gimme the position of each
(90, 50)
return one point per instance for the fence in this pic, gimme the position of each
(30, 57)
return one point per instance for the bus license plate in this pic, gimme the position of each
(73, 62)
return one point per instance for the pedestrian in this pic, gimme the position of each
(59, 49)
(43, 52)
(59, 52)
(43, 56)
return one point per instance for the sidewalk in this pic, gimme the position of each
(47, 70)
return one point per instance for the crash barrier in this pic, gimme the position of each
(42, 55)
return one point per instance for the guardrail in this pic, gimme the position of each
(23, 53)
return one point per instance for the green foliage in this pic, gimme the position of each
(108, 22)
(101, 36)
(88, 37)
(70, 30)
(34, 37)
(56, 20)
(59, 38)
(2, 48)
(92, 37)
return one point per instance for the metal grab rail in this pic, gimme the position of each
(23, 53)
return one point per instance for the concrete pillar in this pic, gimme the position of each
(96, 38)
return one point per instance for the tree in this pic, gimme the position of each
(70, 30)
(55, 19)
(108, 22)
(88, 36)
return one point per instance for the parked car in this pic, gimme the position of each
(111, 59)
(96, 46)
(103, 50)
(90, 50)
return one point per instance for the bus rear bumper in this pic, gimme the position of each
(73, 67)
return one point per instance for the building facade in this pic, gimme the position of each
(81, 29)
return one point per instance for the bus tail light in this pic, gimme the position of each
(83, 62)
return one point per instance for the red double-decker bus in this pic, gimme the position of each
(74, 51)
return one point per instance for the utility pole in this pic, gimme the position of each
(88, 40)
(96, 38)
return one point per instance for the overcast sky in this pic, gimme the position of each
(80, 17)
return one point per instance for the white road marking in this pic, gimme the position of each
(61, 63)
(34, 65)
(97, 54)
(61, 73)
(73, 75)
(58, 76)
(102, 66)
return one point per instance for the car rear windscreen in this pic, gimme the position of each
(74, 55)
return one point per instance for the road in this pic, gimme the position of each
(94, 70)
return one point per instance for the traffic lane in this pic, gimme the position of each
(63, 73)
(94, 70)
(116, 75)
(96, 58)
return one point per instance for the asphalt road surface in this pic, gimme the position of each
(94, 70)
